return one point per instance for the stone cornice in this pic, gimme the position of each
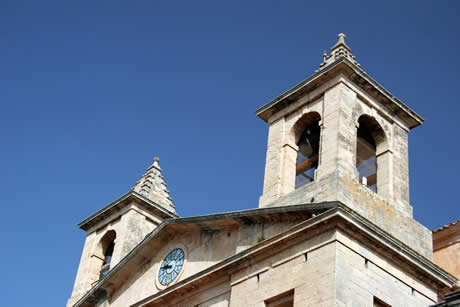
(118, 204)
(357, 75)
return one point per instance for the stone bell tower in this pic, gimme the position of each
(340, 136)
(112, 232)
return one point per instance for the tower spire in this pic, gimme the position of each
(152, 186)
(339, 50)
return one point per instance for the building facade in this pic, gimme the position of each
(334, 226)
(446, 248)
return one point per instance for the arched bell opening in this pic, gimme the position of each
(307, 135)
(371, 141)
(106, 246)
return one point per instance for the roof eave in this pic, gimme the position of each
(413, 118)
(116, 204)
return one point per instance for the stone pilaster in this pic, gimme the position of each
(273, 164)
(338, 133)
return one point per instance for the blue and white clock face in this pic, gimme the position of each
(171, 266)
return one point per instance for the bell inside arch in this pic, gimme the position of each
(309, 141)
(307, 156)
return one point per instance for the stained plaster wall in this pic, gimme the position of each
(131, 225)
(449, 259)
(446, 243)
(203, 249)
(340, 103)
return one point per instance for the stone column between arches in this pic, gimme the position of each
(384, 171)
(337, 132)
(288, 170)
(273, 163)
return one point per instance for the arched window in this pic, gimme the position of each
(307, 132)
(107, 245)
(370, 138)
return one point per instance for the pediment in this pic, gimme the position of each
(133, 279)
(206, 241)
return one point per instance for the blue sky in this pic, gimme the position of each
(91, 91)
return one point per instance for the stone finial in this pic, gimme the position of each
(339, 50)
(340, 42)
(153, 187)
(156, 161)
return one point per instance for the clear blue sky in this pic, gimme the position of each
(91, 91)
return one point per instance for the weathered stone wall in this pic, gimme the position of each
(327, 267)
(311, 278)
(203, 249)
(340, 103)
(272, 181)
(84, 274)
(135, 225)
(338, 186)
(334, 273)
(130, 225)
(362, 274)
(216, 294)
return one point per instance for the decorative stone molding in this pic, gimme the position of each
(339, 50)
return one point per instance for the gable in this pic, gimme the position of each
(232, 243)
(207, 240)
(204, 246)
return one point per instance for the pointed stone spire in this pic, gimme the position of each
(339, 50)
(340, 43)
(153, 187)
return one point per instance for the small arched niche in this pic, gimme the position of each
(371, 141)
(307, 136)
(106, 246)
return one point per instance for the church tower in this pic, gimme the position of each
(113, 231)
(334, 225)
(340, 136)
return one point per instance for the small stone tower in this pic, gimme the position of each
(340, 136)
(112, 232)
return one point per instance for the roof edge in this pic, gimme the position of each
(324, 71)
(340, 210)
(131, 194)
(446, 226)
(234, 214)
(333, 209)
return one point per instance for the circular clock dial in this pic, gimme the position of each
(171, 266)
